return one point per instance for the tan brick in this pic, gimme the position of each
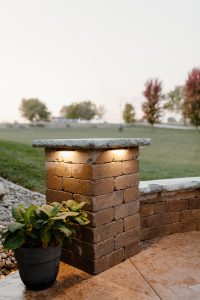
(130, 167)
(103, 186)
(154, 232)
(160, 208)
(101, 233)
(92, 251)
(101, 217)
(106, 170)
(131, 194)
(54, 182)
(58, 169)
(183, 227)
(57, 196)
(132, 249)
(194, 203)
(177, 205)
(126, 209)
(126, 154)
(188, 215)
(150, 198)
(82, 171)
(126, 181)
(197, 193)
(146, 209)
(104, 156)
(197, 224)
(101, 202)
(99, 265)
(160, 219)
(131, 222)
(127, 237)
(107, 200)
(52, 155)
(78, 186)
(178, 195)
(78, 157)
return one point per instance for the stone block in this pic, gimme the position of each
(127, 237)
(126, 181)
(178, 195)
(82, 171)
(58, 169)
(188, 215)
(130, 167)
(154, 232)
(54, 182)
(194, 203)
(99, 265)
(57, 196)
(126, 209)
(98, 234)
(147, 209)
(132, 249)
(131, 222)
(183, 226)
(106, 170)
(131, 194)
(177, 205)
(101, 217)
(150, 198)
(78, 186)
(157, 220)
(103, 186)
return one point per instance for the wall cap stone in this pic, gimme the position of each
(172, 184)
(108, 143)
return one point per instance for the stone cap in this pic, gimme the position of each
(174, 184)
(108, 143)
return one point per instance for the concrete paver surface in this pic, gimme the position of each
(168, 269)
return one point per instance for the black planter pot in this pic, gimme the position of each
(38, 267)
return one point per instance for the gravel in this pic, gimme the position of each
(14, 194)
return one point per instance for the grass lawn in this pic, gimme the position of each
(173, 153)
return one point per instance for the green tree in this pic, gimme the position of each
(129, 113)
(151, 107)
(85, 110)
(34, 110)
(175, 99)
(192, 97)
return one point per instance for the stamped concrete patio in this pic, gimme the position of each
(168, 268)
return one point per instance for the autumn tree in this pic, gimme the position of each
(129, 113)
(34, 110)
(85, 110)
(151, 107)
(192, 97)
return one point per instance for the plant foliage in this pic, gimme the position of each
(41, 226)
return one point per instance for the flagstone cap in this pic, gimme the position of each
(97, 143)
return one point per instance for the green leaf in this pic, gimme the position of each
(45, 237)
(14, 240)
(55, 210)
(29, 212)
(18, 212)
(13, 226)
(65, 230)
(46, 209)
(64, 215)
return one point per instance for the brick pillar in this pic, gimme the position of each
(107, 180)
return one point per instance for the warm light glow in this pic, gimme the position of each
(66, 155)
(119, 152)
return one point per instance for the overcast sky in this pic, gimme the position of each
(63, 51)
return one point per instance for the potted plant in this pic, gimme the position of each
(36, 236)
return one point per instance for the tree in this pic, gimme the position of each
(85, 110)
(129, 113)
(34, 110)
(153, 94)
(175, 99)
(192, 97)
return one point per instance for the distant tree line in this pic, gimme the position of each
(184, 100)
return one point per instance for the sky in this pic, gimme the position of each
(64, 51)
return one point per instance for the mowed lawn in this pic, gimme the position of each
(173, 153)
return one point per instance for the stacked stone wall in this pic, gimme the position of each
(107, 180)
(169, 212)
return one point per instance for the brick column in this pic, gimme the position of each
(104, 174)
